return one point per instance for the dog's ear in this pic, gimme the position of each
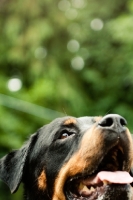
(12, 165)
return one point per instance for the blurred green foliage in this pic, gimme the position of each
(72, 56)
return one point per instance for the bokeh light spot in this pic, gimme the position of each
(14, 84)
(73, 46)
(64, 5)
(40, 53)
(71, 14)
(78, 3)
(96, 24)
(77, 63)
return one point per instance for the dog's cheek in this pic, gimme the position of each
(42, 181)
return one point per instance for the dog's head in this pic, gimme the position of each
(87, 158)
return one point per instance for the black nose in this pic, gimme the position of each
(114, 122)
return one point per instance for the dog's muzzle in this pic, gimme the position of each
(110, 179)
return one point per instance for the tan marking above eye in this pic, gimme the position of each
(42, 181)
(70, 121)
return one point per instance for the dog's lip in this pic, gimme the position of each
(76, 189)
(79, 186)
(111, 191)
(94, 187)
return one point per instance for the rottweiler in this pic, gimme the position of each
(86, 158)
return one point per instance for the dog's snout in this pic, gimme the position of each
(113, 121)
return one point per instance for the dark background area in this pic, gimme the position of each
(62, 57)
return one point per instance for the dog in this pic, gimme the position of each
(86, 158)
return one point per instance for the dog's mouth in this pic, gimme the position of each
(95, 185)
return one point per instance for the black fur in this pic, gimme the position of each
(46, 150)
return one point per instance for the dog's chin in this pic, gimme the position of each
(103, 192)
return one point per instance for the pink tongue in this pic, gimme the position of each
(116, 177)
(120, 177)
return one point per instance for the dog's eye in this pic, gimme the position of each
(66, 134)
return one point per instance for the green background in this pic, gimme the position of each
(73, 57)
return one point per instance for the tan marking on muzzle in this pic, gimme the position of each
(97, 119)
(130, 163)
(42, 181)
(83, 158)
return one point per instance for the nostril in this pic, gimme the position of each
(123, 122)
(112, 121)
(107, 122)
